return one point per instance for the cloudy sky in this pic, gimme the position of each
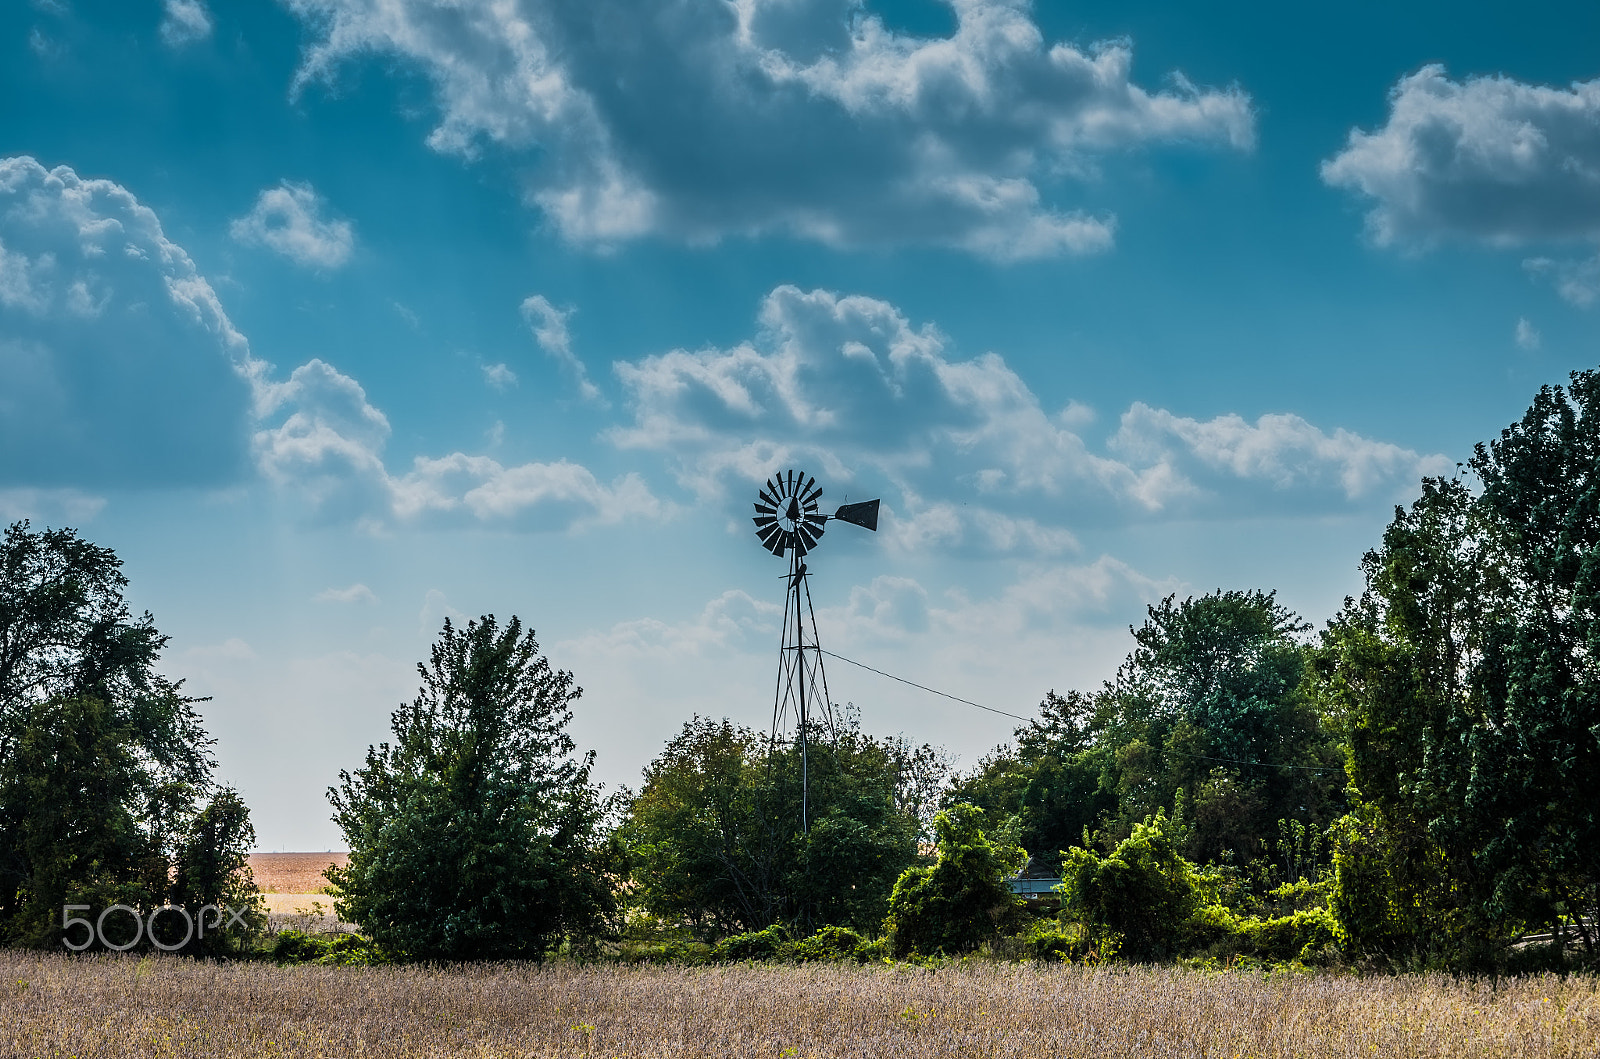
(338, 317)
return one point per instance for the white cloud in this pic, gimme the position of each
(1487, 159)
(109, 332)
(288, 219)
(184, 22)
(549, 327)
(1280, 450)
(322, 442)
(499, 376)
(848, 389)
(1577, 281)
(804, 117)
(1528, 337)
(356, 593)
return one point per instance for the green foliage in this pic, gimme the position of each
(714, 835)
(341, 950)
(1466, 685)
(834, 944)
(106, 794)
(961, 900)
(1143, 896)
(476, 834)
(768, 944)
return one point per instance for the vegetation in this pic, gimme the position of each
(960, 901)
(476, 833)
(1417, 786)
(115, 1007)
(715, 838)
(106, 795)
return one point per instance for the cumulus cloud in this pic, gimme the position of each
(549, 327)
(289, 220)
(809, 118)
(323, 441)
(118, 365)
(1280, 450)
(1488, 159)
(850, 389)
(184, 22)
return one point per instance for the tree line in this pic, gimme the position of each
(1414, 784)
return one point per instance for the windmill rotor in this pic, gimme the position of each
(787, 518)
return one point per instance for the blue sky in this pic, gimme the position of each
(336, 317)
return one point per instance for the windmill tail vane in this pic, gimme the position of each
(789, 521)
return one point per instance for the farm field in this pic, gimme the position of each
(116, 1006)
(291, 885)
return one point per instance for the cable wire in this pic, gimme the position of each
(1018, 716)
(922, 687)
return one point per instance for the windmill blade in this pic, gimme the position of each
(805, 533)
(817, 523)
(864, 514)
(790, 473)
(769, 534)
(770, 495)
(767, 509)
(807, 493)
(763, 521)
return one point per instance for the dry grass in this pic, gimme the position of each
(58, 1006)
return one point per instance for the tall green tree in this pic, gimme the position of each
(715, 835)
(1466, 681)
(477, 833)
(1210, 702)
(105, 769)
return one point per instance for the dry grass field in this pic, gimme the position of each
(293, 873)
(102, 1007)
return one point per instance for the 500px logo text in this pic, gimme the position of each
(96, 930)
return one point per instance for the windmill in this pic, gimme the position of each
(788, 521)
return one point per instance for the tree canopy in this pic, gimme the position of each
(106, 789)
(477, 833)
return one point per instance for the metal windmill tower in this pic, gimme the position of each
(788, 521)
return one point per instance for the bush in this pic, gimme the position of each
(962, 900)
(832, 943)
(295, 946)
(1302, 936)
(769, 944)
(1143, 897)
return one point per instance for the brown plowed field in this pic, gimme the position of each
(293, 873)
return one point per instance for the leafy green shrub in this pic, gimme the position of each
(962, 900)
(769, 944)
(1300, 936)
(296, 946)
(831, 943)
(1143, 896)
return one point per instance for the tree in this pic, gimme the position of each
(476, 834)
(715, 838)
(1211, 702)
(1467, 682)
(105, 769)
(962, 899)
